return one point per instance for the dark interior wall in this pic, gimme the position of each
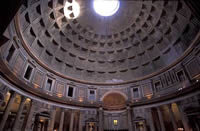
(8, 9)
(194, 6)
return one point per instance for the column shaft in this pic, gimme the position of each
(183, 118)
(52, 120)
(151, 123)
(29, 120)
(19, 113)
(61, 121)
(161, 119)
(71, 121)
(101, 119)
(172, 117)
(7, 110)
(75, 123)
(80, 127)
(87, 127)
(145, 126)
(130, 125)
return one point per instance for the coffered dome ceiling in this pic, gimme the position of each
(141, 38)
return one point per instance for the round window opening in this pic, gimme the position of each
(106, 7)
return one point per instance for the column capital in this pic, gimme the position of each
(33, 102)
(179, 103)
(81, 112)
(169, 106)
(23, 98)
(128, 108)
(53, 107)
(62, 109)
(158, 108)
(148, 109)
(73, 111)
(100, 108)
(13, 94)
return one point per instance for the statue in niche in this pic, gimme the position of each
(91, 126)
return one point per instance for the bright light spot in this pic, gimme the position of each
(180, 129)
(115, 122)
(180, 89)
(41, 120)
(72, 10)
(8, 94)
(149, 96)
(28, 99)
(106, 7)
(80, 99)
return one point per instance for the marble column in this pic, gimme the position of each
(71, 121)
(162, 124)
(184, 118)
(39, 127)
(134, 124)
(80, 126)
(19, 113)
(150, 118)
(52, 120)
(29, 120)
(7, 110)
(173, 119)
(62, 121)
(130, 125)
(87, 127)
(101, 119)
(75, 123)
(145, 126)
(95, 127)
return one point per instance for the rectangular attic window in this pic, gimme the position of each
(49, 84)
(92, 92)
(28, 72)
(10, 53)
(135, 93)
(181, 76)
(92, 95)
(157, 86)
(70, 91)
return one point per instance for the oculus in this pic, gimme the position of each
(106, 7)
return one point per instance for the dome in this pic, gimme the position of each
(100, 65)
(133, 44)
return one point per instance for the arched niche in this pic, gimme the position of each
(114, 100)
